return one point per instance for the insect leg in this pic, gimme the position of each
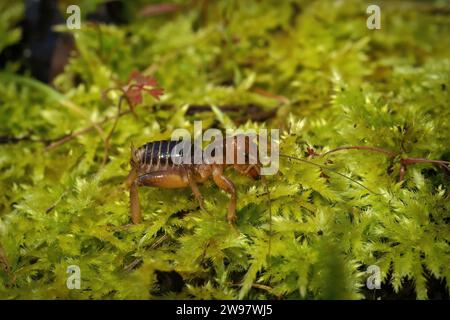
(130, 178)
(131, 183)
(225, 184)
(134, 204)
(196, 191)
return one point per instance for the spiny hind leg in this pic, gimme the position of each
(225, 184)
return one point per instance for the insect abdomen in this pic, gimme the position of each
(157, 154)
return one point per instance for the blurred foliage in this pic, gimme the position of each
(11, 12)
(329, 81)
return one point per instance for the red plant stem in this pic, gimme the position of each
(408, 161)
(404, 163)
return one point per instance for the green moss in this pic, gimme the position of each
(338, 84)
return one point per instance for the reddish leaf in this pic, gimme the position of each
(134, 95)
(137, 83)
(156, 93)
(141, 79)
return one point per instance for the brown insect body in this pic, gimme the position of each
(153, 165)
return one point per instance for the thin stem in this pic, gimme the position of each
(108, 137)
(266, 186)
(71, 136)
(404, 163)
(373, 149)
(409, 161)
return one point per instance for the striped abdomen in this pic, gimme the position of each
(157, 155)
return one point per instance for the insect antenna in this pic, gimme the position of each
(267, 190)
(330, 170)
